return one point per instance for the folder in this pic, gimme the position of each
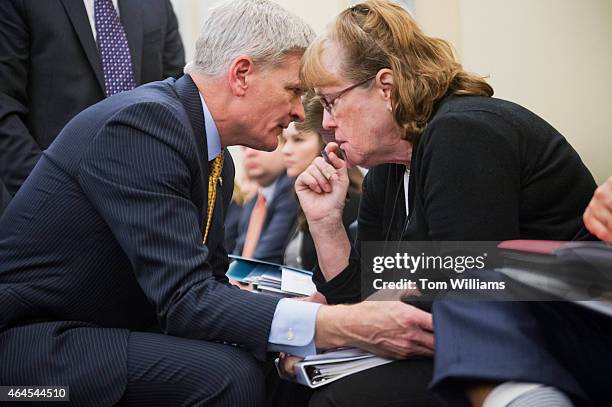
(271, 278)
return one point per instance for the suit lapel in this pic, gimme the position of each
(130, 12)
(80, 21)
(190, 98)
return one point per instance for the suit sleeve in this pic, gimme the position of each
(138, 175)
(173, 52)
(19, 152)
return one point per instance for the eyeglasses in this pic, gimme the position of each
(328, 101)
(359, 8)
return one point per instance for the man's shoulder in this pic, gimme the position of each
(154, 109)
(160, 94)
(283, 183)
(154, 104)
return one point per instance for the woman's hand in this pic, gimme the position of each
(322, 188)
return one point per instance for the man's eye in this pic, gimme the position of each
(297, 92)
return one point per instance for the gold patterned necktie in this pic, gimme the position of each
(213, 179)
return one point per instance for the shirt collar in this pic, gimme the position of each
(213, 140)
(268, 192)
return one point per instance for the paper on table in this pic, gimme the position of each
(297, 282)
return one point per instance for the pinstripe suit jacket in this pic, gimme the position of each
(105, 237)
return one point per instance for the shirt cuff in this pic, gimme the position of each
(293, 327)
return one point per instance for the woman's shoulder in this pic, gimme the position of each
(462, 111)
(487, 122)
(473, 104)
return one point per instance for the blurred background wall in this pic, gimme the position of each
(552, 56)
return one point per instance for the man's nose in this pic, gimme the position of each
(297, 111)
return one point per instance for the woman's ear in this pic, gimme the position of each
(384, 80)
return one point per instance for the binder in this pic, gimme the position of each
(271, 278)
(321, 369)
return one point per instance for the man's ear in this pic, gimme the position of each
(239, 74)
(384, 80)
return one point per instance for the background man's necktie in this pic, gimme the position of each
(113, 47)
(258, 215)
(213, 179)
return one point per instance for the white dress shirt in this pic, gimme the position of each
(89, 6)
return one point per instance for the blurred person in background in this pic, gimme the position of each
(232, 217)
(267, 218)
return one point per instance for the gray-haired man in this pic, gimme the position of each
(112, 274)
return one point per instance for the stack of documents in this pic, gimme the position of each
(319, 370)
(580, 272)
(271, 278)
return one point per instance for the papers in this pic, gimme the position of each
(271, 278)
(580, 272)
(297, 282)
(319, 370)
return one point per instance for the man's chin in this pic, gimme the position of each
(264, 145)
(269, 147)
(272, 144)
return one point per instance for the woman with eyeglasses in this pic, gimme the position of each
(448, 162)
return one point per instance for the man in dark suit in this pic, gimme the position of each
(55, 62)
(276, 189)
(112, 279)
